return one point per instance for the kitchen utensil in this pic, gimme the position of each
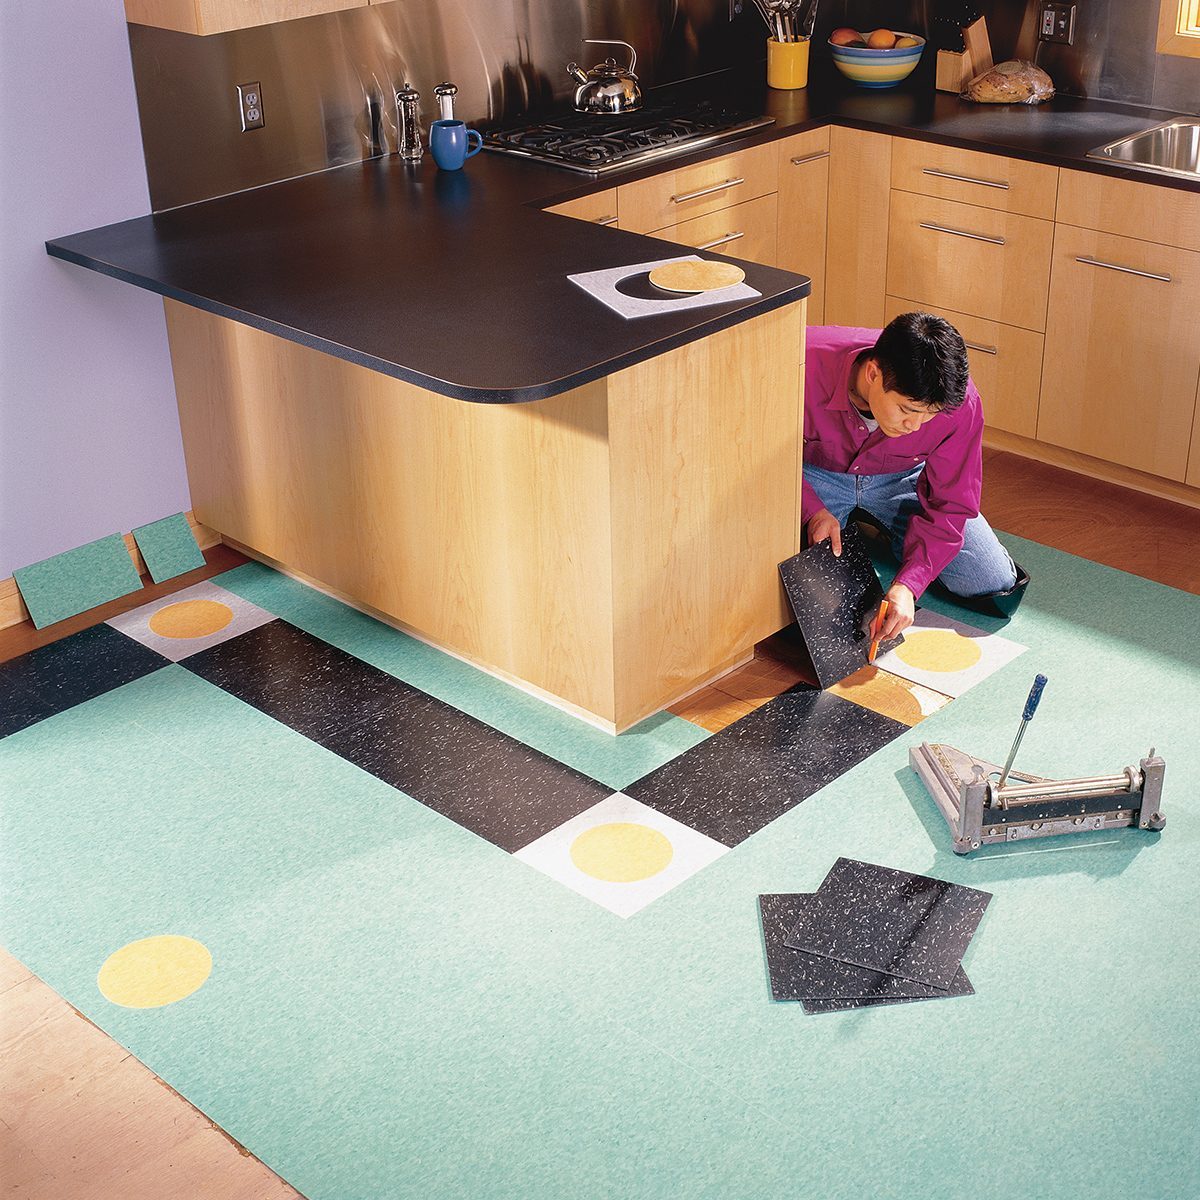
(880, 68)
(408, 123)
(691, 277)
(445, 93)
(452, 143)
(609, 87)
(787, 64)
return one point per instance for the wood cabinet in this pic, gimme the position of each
(803, 210)
(220, 16)
(1123, 351)
(860, 166)
(742, 231)
(599, 208)
(1148, 211)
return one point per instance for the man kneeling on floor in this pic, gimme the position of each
(893, 426)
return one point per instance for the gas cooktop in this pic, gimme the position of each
(596, 144)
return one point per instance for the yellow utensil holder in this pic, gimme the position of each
(787, 64)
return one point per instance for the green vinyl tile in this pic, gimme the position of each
(169, 547)
(615, 761)
(76, 580)
(397, 1008)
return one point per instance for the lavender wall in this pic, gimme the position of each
(89, 434)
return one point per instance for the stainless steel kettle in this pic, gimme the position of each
(608, 88)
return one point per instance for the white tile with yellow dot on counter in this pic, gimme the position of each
(947, 655)
(186, 622)
(621, 854)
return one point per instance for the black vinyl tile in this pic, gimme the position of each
(798, 975)
(486, 781)
(68, 672)
(891, 921)
(832, 599)
(739, 780)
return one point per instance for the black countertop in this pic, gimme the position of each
(457, 282)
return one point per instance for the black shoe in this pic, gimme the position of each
(992, 604)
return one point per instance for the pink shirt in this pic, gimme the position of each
(950, 445)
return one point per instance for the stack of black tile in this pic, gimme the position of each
(870, 935)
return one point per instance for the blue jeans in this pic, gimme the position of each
(981, 567)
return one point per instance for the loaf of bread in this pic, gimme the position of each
(1010, 83)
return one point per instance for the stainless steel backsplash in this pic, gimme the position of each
(328, 81)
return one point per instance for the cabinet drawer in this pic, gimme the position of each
(1006, 365)
(599, 207)
(1125, 207)
(743, 231)
(675, 196)
(1121, 372)
(219, 16)
(989, 180)
(973, 260)
(803, 212)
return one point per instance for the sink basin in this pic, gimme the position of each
(1171, 149)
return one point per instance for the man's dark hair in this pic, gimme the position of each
(923, 357)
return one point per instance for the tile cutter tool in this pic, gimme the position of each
(984, 803)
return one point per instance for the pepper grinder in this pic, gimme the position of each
(408, 137)
(445, 93)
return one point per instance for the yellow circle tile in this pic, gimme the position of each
(621, 852)
(191, 619)
(154, 971)
(938, 650)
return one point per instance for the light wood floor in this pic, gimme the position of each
(81, 1119)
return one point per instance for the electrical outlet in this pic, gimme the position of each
(251, 106)
(1056, 23)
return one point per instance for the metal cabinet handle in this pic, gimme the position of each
(729, 237)
(981, 348)
(992, 183)
(605, 220)
(1095, 262)
(975, 237)
(708, 191)
(807, 158)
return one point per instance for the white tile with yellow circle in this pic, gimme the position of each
(947, 655)
(621, 854)
(191, 620)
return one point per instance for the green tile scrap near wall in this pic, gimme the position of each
(169, 547)
(76, 580)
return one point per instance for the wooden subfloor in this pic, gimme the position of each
(81, 1119)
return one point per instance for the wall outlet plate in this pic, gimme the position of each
(250, 105)
(1056, 23)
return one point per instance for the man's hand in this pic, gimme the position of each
(902, 605)
(822, 525)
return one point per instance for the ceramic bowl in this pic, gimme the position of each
(877, 68)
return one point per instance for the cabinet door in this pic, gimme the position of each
(989, 264)
(803, 212)
(743, 231)
(855, 264)
(599, 208)
(219, 16)
(1006, 366)
(1122, 351)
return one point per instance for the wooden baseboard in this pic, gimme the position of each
(12, 607)
(1093, 468)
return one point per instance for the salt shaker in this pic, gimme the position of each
(408, 137)
(445, 93)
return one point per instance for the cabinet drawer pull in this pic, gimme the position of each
(708, 191)
(975, 237)
(729, 237)
(1095, 262)
(605, 220)
(807, 158)
(981, 348)
(993, 183)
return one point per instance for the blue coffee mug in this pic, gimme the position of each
(452, 143)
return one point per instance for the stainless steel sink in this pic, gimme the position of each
(1170, 149)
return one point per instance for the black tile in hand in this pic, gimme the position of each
(832, 598)
(739, 780)
(798, 975)
(892, 921)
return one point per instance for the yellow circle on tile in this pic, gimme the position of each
(191, 619)
(621, 852)
(154, 971)
(938, 650)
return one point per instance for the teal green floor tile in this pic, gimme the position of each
(615, 761)
(169, 547)
(79, 579)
